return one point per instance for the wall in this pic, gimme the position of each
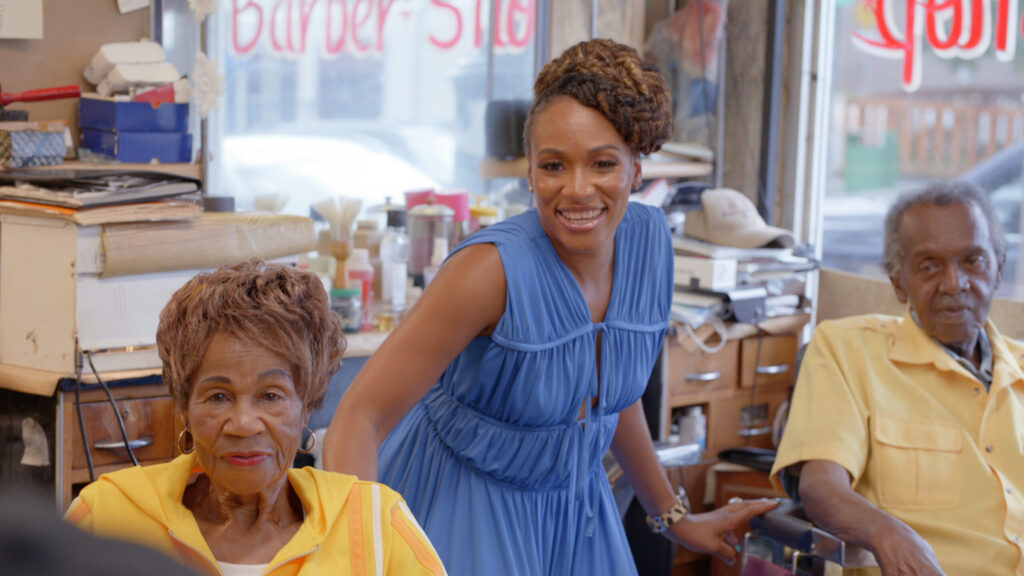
(746, 29)
(72, 32)
(621, 20)
(842, 294)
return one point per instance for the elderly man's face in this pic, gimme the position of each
(948, 271)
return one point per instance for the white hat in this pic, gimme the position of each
(729, 218)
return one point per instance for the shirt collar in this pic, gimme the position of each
(984, 370)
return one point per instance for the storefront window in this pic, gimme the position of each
(367, 98)
(922, 90)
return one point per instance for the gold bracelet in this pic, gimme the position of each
(661, 522)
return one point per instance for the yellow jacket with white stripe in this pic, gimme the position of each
(351, 527)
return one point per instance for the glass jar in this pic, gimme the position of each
(346, 303)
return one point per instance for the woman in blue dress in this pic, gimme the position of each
(494, 400)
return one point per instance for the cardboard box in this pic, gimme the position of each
(53, 297)
(140, 147)
(111, 116)
(45, 311)
(21, 148)
(706, 273)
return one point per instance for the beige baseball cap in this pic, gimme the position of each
(729, 218)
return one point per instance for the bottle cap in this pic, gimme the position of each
(396, 218)
(346, 292)
(359, 254)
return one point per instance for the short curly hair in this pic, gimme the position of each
(938, 193)
(612, 79)
(274, 306)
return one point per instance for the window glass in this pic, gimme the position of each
(935, 92)
(367, 98)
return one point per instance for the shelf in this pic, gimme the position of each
(657, 166)
(363, 343)
(189, 170)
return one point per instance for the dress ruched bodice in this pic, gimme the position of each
(495, 460)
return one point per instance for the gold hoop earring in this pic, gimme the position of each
(312, 445)
(180, 437)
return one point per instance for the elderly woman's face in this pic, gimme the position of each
(245, 415)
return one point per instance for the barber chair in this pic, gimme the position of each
(783, 541)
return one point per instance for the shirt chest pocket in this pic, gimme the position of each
(917, 463)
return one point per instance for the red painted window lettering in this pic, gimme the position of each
(358, 25)
(382, 14)
(359, 22)
(961, 28)
(334, 41)
(446, 44)
(525, 10)
(236, 13)
(306, 12)
(274, 44)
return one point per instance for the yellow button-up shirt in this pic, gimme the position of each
(919, 435)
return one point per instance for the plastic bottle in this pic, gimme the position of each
(360, 273)
(346, 303)
(394, 262)
(693, 427)
(437, 256)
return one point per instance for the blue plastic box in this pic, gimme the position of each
(108, 115)
(141, 147)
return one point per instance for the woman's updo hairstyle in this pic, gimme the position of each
(612, 79)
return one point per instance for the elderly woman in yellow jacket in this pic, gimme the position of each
(248, 352)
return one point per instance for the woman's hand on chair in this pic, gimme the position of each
(713, 532)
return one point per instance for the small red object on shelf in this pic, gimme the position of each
(40, 95)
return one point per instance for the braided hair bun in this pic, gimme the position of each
(612, 79)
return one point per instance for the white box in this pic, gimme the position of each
(51, 295)
(706, 273)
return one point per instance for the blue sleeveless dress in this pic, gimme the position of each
(494, 462)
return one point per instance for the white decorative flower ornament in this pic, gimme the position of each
(201, 8)
(209, 84)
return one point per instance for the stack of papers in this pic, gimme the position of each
(716, 280)
(99, 196)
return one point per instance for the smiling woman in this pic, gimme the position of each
(247, 352)
(495, 399)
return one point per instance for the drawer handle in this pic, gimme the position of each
(771, 370)
(703, 376)
(119, 444)
(746, 432)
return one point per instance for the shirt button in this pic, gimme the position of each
(977, 391)
(989, 448)
(1009, 490)
(1014, 539)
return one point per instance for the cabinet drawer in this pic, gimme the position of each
(149, 423)
(743, 420)
(774, 365)
(698, 372)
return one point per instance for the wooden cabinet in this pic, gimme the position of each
(739, 388)
(722, 383)
(150, 424)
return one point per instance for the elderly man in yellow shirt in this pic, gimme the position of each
(907, 433)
